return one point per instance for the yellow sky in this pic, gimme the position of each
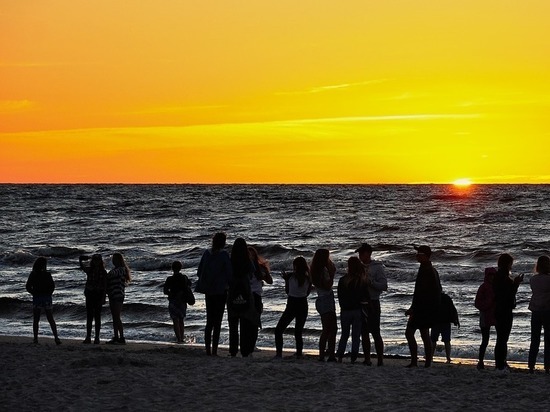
(181, 91)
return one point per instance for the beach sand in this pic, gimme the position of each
(150, 376)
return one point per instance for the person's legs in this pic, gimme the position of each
(546, 326)
(536, 327)
(249, 330)
(97, 320)
(233, 321)
(301, 317)
(374, 329)
(425, 335)
(346, 318)
(355, 335)
(49, 316)
(35, 322)
(365, 339)
(413, 346)
(434, 336)
(485, 334)
(331, 335)
(446, 338)
(89, 319)
(284, 321)
(503, 327)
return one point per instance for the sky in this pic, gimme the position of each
(286, 91)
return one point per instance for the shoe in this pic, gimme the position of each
(380, 363)
(531, 371)
(480, 366)
(57, 341)
(113, 341)
(121, 341)
(412, 365)
(277, 358)
(35, 341)
(503, 371)
(367, 362)
(332, 359)
(87, 341)
(96, 341)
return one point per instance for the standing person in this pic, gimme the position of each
(240, 302)
(117, 279)
(376, 278)
(261, 275)
(41, 286)
(298, 288)
(95, 292)
(505, 301)
(322, 276)
(540, 312)
(424, 307)
(485, 302)
(213, 274)
(177, 287)
(447, 314)
(353, 291)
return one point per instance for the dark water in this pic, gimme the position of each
(152, 225)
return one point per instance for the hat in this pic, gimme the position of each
(425, 250)
(365, 247)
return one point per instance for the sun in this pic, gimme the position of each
(463, 182)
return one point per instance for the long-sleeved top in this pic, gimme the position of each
(540, 299)
(352, 293)
(40, 284)
(214, 272)
(427, 292)
(505, 292)
(378, 281)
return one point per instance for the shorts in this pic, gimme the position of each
(325, 304)
(443, 329)
(177, 310)
(42, 302)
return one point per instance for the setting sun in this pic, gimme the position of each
(462, 182)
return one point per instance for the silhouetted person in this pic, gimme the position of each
(485, 302)
(505, 301)
(446, 315)
(540, 312)
(322, 276)
(95, 293)
(261, 275)
(424, 307)
(297, 287)
(213, 274)
(41, 286)
(177, 287)
(117, 279)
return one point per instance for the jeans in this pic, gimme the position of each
(503, 327)
(350, 319)
(539, 320)
(296, 308)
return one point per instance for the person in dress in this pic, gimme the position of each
(117, 279)
(95, 293)
(297, 288)
(540, 312)
(40, 285)
(505, 301)
(241, 312)
(214, 273)
(424, 307)
(261, 274)
(176, 287)
(485, 303)
(375, 275)
(447, 314)
(322, 276)
(353, 293)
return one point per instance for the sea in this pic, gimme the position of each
(153, 225)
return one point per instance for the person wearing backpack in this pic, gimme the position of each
(213, 274)
(240, 302)
(447, 314)
(485, 303)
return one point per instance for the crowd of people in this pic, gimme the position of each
(235, 281)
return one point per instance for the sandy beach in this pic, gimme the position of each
(149, 376)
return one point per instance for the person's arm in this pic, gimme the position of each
(166, 288)
(267, 278)
(29, 285)
(378, 279)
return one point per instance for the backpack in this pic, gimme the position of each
(239, 296)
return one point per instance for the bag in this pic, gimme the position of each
(189, 296)
(239, 296)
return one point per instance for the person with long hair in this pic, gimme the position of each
(261, 274)
(297, 288)
(353, 293)
(117, 279)
(505, 301)
(213, 274)
(40, 285)
(540, 312)
(322, 276)
(95, 292)
(240, 302)
(485, 303)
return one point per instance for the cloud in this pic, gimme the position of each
(359, 119)
(333, 87)
(13, 106)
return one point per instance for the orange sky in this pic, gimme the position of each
(320, 91)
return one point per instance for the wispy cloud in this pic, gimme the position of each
(359, 119)
(11, 106)
(333, 87)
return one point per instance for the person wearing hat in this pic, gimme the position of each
(377, 283)
(424, 307)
